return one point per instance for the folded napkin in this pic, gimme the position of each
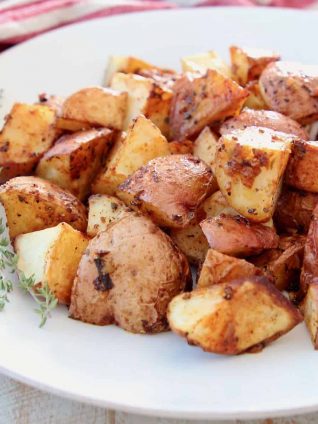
(22, 19)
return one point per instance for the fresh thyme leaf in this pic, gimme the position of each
(8, 261)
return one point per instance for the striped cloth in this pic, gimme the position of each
(22, 19)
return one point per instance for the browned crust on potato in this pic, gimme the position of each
(309, 273)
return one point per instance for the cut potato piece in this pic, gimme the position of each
(52, 256)
(233, 317)
(143, 142)
(255, 99)
(310, 308)
(302, 166)
(250, 165)
(235, 236)
(200, 100)
(128, 275)
(102, 211)
(181, 147)
(205, 147)
(33, 204)
(219, 268)
(309, 272)
(192, 242)
(97, 106)
(201, 62)
(216, 205)
(124, 64)
(169, 189)
(29, 131)
(249, 63)
(145, 97)
(71, 125)
(73, 162)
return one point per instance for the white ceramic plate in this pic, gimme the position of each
(155, 375)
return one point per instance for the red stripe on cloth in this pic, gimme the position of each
(226, 3)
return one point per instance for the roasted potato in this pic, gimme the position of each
(52, 256)
(249, 63)
(200, 100)
(233, 317)
(70, 125)
(309, 272)
(294, 211)
(249, 168)
(216, 205)
(283, 264)
(169, 189)
(142, 143)
(102, 211)
(254, 99)
(165, 78)
(98, 106)
(235, 236)
(205, 147)
(73, 162)
(29, 131)
(219, 268)
(302, 166)
(181, 147)
(310, 309)
(291, 89)
(201, 62)
(124, 64)
(128, 275)
(145, 97)
(192, 242)
(266, 119)
(32, 204)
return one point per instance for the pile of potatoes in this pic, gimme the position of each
(112, 192)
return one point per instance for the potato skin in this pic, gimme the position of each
(128, 276)
(33, 204)
(291, 88)
(170, 189)
(310, 308)
(309, 272)
(294, 211)
(266, 119)
(235, 236)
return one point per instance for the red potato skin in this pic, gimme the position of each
(235, 236)
(309, 273)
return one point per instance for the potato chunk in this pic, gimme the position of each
(33, 204)
(52, 256)
(127, 276)
(205, 147)
(255, 99)
(291, 89)
(73, 162)
(249, 63)
(250, 165)
(201, 62)
(102, 211)
(302, 166)
(219, 268)
(294, 211)
(233, 317)
(29, 131)
(145, 97)
(143, 142)
(235, 236)
(310, 308)
(170, 189)
(192, 242)
(200, 100)
(309, 272)
(124, 64)
(97, 106)
(266, 119)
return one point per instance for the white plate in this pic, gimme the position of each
(155, 375)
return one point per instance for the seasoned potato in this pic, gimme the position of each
(291, 89)
(103, 210)
(191, 241)
(28, 132)
(181, 147)
(97, 106)
(219, 268)
(216, 205)
(309, 272)
(233, 317)
(302, 166)
(283, 264)
(145, 97)
(205, 147)
(52, 256)
(249, 63)
(71, 125)
(32, 204)
(310, 308)
(200, 100)
(294, 211)
(142, 143)
(235, 236)
(124, 64)
(128, 275)
(169, 189)
(266, 119)
(250, 165)
(165, 78)
(201, 62)
(255, 99)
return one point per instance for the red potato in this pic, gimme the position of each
(310, 309)
(309, 273)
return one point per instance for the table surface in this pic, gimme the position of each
(21, 404)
